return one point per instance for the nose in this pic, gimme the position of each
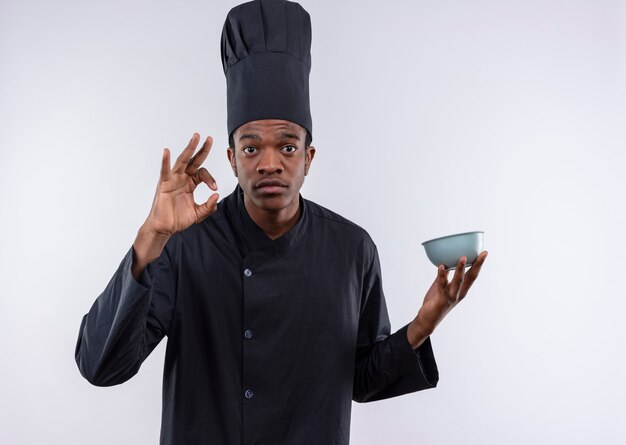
(269, 163)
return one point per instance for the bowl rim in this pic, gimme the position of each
(453, 235)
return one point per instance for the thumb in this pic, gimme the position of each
(207, 208)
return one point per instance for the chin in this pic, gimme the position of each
(273, 203)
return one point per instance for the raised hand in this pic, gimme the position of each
(442, 297)
(174, 208)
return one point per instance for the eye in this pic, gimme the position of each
(289, 149)
(249, 150)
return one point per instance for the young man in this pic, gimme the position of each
(273, 305)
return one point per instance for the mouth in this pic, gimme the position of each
(270, 186)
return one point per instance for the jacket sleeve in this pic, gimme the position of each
(385, 364)
(126, 322)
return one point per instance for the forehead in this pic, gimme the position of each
(269, 128)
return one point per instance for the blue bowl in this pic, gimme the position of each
(448, 250)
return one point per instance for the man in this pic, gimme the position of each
(272, 305)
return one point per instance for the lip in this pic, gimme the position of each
(269, 183)
(270, 187)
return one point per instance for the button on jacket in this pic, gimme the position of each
(269, 341)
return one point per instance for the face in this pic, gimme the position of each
(270, 161)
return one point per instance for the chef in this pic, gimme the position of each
(272, 305)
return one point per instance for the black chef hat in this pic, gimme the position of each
(266, 55)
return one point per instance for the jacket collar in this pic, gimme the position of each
(255, 238)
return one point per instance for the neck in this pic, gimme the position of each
(275, 223)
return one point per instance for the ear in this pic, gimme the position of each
(309, 154)
(232, 159)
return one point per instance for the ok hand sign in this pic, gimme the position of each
(174, 208)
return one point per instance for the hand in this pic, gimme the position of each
(174, 208)
(442, 297)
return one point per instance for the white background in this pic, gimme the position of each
(430, 118)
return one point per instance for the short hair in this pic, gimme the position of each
(308, 139)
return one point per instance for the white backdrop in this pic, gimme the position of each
(430, 118)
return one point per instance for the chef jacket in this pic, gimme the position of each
(268, 340)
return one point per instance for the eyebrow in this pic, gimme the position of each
(290, 136)
(257, 137)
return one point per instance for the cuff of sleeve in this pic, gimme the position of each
(144, 281)
(420, 360)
